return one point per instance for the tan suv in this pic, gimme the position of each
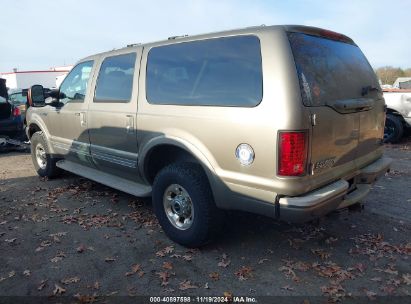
(283, 121)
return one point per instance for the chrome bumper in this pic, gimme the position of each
(333, 196)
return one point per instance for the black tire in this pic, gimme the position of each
(50, 169)
(207, 218)
(394, 129)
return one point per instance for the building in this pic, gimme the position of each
(25, 79)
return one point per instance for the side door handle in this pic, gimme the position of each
(83, 121)
(130, 124)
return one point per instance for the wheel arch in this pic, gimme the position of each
(162, 151)
(33, 128)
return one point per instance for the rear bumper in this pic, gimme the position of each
(337, 195)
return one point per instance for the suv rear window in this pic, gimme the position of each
(329, 70)
(213, 72)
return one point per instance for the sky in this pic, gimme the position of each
(39, 34)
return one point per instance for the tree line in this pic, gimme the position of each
(389, 74)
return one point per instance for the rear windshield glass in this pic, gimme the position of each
(330, 70)
(213, 72)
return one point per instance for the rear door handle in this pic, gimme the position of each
(130, 124)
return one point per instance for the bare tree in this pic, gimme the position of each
(389, 74)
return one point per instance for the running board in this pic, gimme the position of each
(109, 180)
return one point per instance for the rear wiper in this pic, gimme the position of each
(367, 89)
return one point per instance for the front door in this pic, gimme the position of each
(112, 116)
(68, 121)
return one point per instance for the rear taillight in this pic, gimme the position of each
(16, 112)
(292, 153)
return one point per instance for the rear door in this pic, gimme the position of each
(112, 116)
(340, 89)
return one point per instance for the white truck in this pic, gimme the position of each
(398, 118)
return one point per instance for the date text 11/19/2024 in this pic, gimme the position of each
(198, 299)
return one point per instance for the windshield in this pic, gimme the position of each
(330, 70)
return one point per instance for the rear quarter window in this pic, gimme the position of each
(213, 72)
(329, 70)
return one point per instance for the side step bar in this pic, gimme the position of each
(109, 180)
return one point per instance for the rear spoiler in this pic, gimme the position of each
(319, 32)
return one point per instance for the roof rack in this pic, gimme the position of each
(177, 37)
(133, 44)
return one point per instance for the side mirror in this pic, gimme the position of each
(36, 96)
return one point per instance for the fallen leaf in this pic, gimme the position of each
(56, 259)
(206, 286)
(96, 285)
(334, 291)
(370, 294)
(228, 295)
(113, 293)
(187, 257)
(81, 248)
(388, 289)
(387, 270)
(360, 267)
(215, 276)
(134, 269)
(167, 265)
(407, 278)
(262, 261)
(289, 273)
(109, 259)
(331, 240)
(43, 284)
(169, 249)
(187, 285)
(164, 276)
(12, 274)
(10, 241)
(27, 273)
(58, 290)
(86, 298)
(71, 280)
(225, 262)
(321, 253)
(287, 287)
(376, 279)
(244, 273)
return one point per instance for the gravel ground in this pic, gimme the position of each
(70, 238)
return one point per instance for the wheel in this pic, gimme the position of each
(44, 164)
(393, 129)
(184, 204)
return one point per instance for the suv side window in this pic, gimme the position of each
(213, 72)
(75, 84)
(115, 79)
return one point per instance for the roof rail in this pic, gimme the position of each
(133, 44)
(177, 37)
